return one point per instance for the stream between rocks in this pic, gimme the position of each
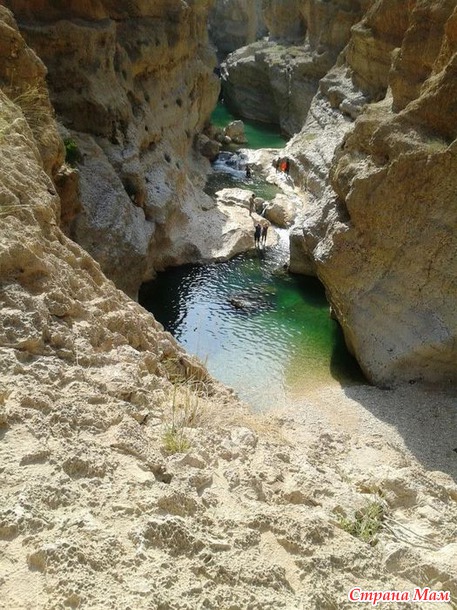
(260, 330)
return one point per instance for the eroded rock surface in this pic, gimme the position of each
(275, 80)
(235, 23)
(133, 85)
(131, 479)
(381, 231)
(375, 155)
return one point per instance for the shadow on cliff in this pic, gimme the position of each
(425, 418)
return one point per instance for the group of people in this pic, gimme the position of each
(260, 235)
(260, 230)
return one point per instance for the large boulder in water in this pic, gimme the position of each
(235, 131)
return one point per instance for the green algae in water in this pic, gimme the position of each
(259, 135)
(258, 329)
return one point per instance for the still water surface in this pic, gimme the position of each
(259, 135)
(262, 331)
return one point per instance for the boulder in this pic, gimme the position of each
(235, 131)
(281, 211)
(210, 231)
(236, 197)
(207, 147)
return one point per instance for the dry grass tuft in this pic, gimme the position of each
(367, 522)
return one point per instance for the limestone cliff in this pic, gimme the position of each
(130, 479)
(382, 231)
(133, 85)
(235, 23)
(275, 80)
(375, 155)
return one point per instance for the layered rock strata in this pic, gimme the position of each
(133, 86)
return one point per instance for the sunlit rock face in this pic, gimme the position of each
(377, 156)
(275, 80)
(235, 23)
(133, 85)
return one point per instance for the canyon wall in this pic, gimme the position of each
(130, 478)
(275, 80)
(235, 23)
(375, 154)
(132, 85)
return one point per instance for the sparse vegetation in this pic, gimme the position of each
(436, 145)
(72, 154)
(175, 441)
(366, 523)
(34, 103)
(5, 210)
(185, 412)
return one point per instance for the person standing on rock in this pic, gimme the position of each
(284, 166)
(257, 234)
(263, 239)
(248, 171)
(251, 204)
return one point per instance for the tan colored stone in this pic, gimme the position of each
(139, 81)
(93, 514)
(372, 231)
(235, 23)
(274, 81)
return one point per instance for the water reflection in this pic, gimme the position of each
(259, 330)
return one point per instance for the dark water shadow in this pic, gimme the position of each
(168, 295)
(343, 366)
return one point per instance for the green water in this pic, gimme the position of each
(218, 181)
(259, 135)
(262, 331)
(259, 330)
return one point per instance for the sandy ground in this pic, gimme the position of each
(420, 420)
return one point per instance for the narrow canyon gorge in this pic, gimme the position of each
(133, 479)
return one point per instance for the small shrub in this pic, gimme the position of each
(366, 523)
(175, 441)
(34, 103)
(72, 154)
(184, 413)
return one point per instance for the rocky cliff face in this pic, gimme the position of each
(235, 23)
(130, 479)
(132, 85)
(375, 156)
(381, 231)
(275, 81)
